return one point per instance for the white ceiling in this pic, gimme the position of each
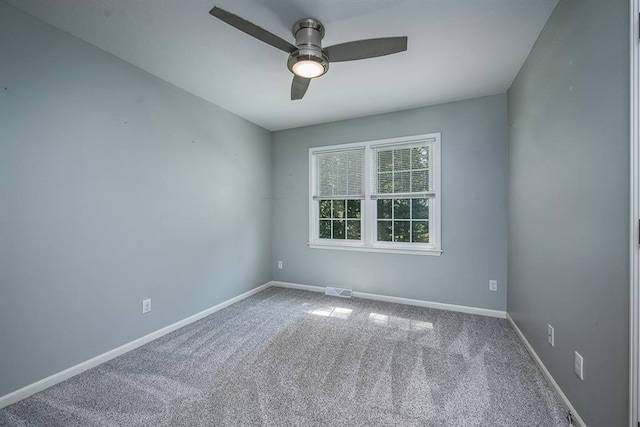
(458, 49)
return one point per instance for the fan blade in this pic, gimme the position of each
(252, 29)
(363, 49)
(299, 87)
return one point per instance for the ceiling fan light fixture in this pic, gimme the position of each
(308, 66)
(308, 69)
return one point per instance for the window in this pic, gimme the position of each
(377, 195)
(339, 193)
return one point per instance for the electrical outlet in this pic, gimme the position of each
(279, 265)
(146, 305)
(551, 336)
(493, 285)
(578, 366)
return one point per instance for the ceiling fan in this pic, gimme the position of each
(307, 58)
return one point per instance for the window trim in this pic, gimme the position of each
(368, 208)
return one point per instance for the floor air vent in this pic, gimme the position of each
(337, 292)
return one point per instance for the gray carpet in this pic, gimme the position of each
(294, 358)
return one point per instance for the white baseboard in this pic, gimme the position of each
(407, 301)
(54, 379)
(552, 382)
(288, 285)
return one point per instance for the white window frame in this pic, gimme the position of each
(368, 206)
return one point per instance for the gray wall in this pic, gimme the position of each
(569, 203)
(474, 197)
(114, 186)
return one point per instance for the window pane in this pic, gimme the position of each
(420, 208)
(384, 208)
(355, 177)
(402, 182)
(340, 182)
(402, 159)
(385, 182)
(421, 231)
(325, 229)
(325, 208)
(385, 161)
(338, 209)
(401, 209)
(338, 229)
(353, 230)
(384, 231)
(419, 158)
(401, 231)
(353, 209)
(326, 175)
(419, 181)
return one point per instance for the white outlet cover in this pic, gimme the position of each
(551, 335)
(493, 285)
(279, 265)
(146, 305)
(579, 366)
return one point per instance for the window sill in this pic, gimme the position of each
(362, 248)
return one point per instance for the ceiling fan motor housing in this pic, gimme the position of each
(308, 33)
